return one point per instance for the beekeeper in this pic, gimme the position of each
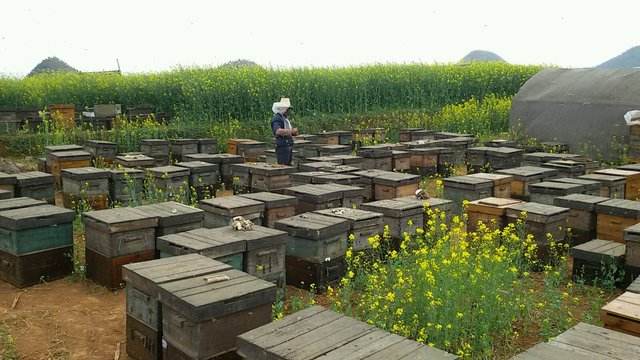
(283, 131)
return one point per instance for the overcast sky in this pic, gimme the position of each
(159, 35)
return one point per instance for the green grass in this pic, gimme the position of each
(7, 345)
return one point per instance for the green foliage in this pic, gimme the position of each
(7, 344)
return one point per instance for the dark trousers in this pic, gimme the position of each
(284, 154)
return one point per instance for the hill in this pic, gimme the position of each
(627, 60)
(51, 64)
(482, 56)
(239, 63)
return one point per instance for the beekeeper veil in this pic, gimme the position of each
(281, 106)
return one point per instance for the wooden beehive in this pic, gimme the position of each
(251, 150)
(461, 188)
(276, 206)
(539, 158)
(126, 185)
(270, 177)
(37, 185)
(317, 166)
(490, 211)
(401, 160)
(203, 177)
(229, 303)
(315, 197)
(433, 207)
(525, 175)
(102, 151)
(400, 215)
(342, 169)
(504, 157)
(632, 242)
(376, 157)
(614, 216)
(590, 187)
(630, 167)
(623, 314)
(582, 215)
(393, 185)
(224, 161)
(362, 224)
(297, 337)
(567, 168)
(8, 182)
(174, 217)
(634, 287)
(541, 219)
(424, 161)
(458, 146)
(327, 150)
(19, 202)
(449, 135)
(477, 158)
(327, 138)
(315, 247)
(344, 137)
(115, 237)
(221, 211)
(86, 184)
(351, 196)
(597, 260)
(545, 192)
(158, 149)
(306, 177)
(265, 254)
(212, 243)
(208, 146)
(632, 181)
(405, 134)
(135, 161)
(35, 243)
(144, 315)
(366, 181)
(57, 161)
(58, 148)
(344, 179)
(500, 143)
(182, 147)
(173, 180)
(501, 183)
(447, 162)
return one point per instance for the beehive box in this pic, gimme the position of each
(315, 197)
(344, 179)
(327, 150)
(630, 167)
(208, 146)
(541, 220)
(276, 206)
(115, 237)
(296, 337)
(623, 314)
(344, 137)
(328, 138)
(490, 211)
(447, 162)
(34, 244)
(459, 147)
(228, 303)
(366, 181)
(362, 224)
(338, 159)
(212, 243)
(203, 177)
(270, 177)
(632, 241)
(57, 161)
(315, 249)
(597, 260)
(501, 183)
(500, 143)
(477, 158)
(102, 151)
(433, 207)
(35, 184)
(224, 162)
(173, 180)
(401, 160)
(306, 177)
(232, 145)
(342, 169)
(144, 315)
(614, 216)
(86, 184)
(525, 175)
(221, 211)
(19, 203)
(5, 194)
(461, 188)
(265, 252)
(424, 161)
(632, 181)
(504, 157)
(317, 166)
(400, 215)
(58, 148)
(405, 134)
(376, 158)
(610, 186)
(8, 182)
(174, 217)
(567, 168)
(539, 158)
(351, 196)
(308, 150)
(182, 147)
(393, 185)
(448, 135)
(158, 149)
(126, 185)
(545, 192)
(304, 137)
(135, 161)
(582, 216)
(590, 187)
(251, 150)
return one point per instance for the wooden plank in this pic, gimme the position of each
(546, 351)
(362, 347)
(601, 341)
(396, 351)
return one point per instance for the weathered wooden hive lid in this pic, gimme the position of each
(301, 143)
(120, 219)
(537, 212)
(56, 148)
(184, 141)
(495, 202)
(467, 182)
(314, 193)
(318, 165)
(633, 230)
(598, 251)
(458, 141)
(147, 275)
(335, 178)
(432, 202)
(446, 134)
(207, 241)
(135, 158)
(395, 178)
(551, 187)
(370, 173)
(496, 178)
(215, 295)
(566, 163)
(340, 132)
(545, 156)
(579, 201)
(346, 157)
(620, 207)
(344, 190)
(619, 172)
(207, 141)
(19, 202)
(631, 167)
(223, 158)
(272, 200)
(270, 169)
(239, 140)
(85, 173)
(34, 178)
(70, 155)
(397, 154)
(198, 167)
(308, 174)
(172, 213)
(423, 144)
(395, 208)
(350, 214)
(327, 158)
(304, 137)
(125, 172)
(375, 151)
(232, 205)
(170, 170)
(313, 226)
(589, 185)
(8, 179)
(34, 217)
(410, 129)
(607, 179)
(529, 172)
(340, 169)
(256, 238)
(154, 142)
(500, 143)
(479, 150)
(335, 147)
(504, 151)
(101, 143)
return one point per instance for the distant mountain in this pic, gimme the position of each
(627, 60)
(51, 64)
(239, 63)
(481, 56)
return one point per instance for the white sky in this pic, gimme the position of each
(159, 35)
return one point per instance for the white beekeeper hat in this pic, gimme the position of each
(281, 106)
